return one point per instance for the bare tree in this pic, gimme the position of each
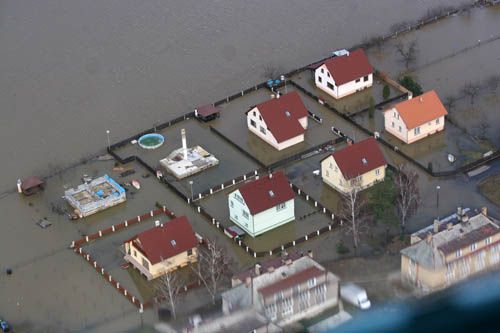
(353, 211)
(482, 129)
(493, 81)
(408, 53)
(471, 90)
(169, 288)
(212, 266)
(407, 194)
(450, 102)
(272, 71)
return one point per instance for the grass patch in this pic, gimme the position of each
(489, 188)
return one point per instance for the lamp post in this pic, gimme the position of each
(437, 200)
(191, 186)
(107, 136)
(282, 77)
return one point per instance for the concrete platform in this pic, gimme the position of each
(198, 159)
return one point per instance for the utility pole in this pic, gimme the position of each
(437, 200)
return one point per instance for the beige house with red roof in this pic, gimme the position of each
(280, 121)
(416, 118)
(285, 290)
(163, 248)
(344, 74)
(362, 164)
(263, 204)
(451, 250)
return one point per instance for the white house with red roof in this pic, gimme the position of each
(362, 164)
(163, 248)
(262, 204)
(416, 118)
(344, 74)
(280, 121)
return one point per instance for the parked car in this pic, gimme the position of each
(4, 326)
(356, 295)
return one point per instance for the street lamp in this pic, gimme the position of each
(437, 200)
(282, 77)
(107, 136)
(191, 185)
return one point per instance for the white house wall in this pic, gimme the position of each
(342, 90)
(395, 125)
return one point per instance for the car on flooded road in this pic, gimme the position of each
(4, 326)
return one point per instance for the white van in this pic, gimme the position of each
(355, 295)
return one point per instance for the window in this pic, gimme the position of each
(458, 253)
(262, 130)
(135, 253)
(437, 121)
(278, 296)
(281, 206)
(473, 247)
(329, 85)
(189, 252)
(392, 125)
(394, 114)
(260, 118)
(322, 70)
(254, 113)
(320, 79)
(331, 165)
(231, 203)
(311, 282)
(328, 74)
(145, 263)
(450, 272)
(245, 214)
(377, 172)
(327, 174)
(173, 242)
(252, 122)
(487, 241)
(321, 294)
(240, 199)
(365, 78)
(416, 130)
(480, 261)
(287, 306)
(358, 80)
(400, 128)
(271, 311)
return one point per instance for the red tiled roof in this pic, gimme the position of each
(207, 110)
(359, 158)
(421, 109)
(291, 281)
(350, 67)
(163, 242)
(257, 194)
(274, 112)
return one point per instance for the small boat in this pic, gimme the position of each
(136, 184)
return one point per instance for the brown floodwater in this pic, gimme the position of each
(73, 69)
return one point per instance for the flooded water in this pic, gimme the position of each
(73, 69)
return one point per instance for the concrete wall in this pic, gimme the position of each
(395, 125)
(259, 223)
(322, 73)
(268, 137)
(331, 175)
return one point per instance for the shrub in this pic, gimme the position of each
(386, 92)
(341, 248)
(371, 109)
(409, 83)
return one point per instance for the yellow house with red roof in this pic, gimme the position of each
(163, 248)
(362, 164)
(416, 118)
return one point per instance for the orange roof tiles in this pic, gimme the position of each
(421, 109)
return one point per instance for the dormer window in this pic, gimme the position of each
(271, 193)
(287, 113)
(173, 242)
(365, 162)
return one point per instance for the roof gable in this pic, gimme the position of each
(266, 192)
(359, 158)
(291, 281)
(163, 242)
(421, 109)
(350, 67)
(282, 115)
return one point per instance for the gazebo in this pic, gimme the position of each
(207, 112)
(32, 185)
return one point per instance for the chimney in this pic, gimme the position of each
(449, 226)
(436, 226)
(484, 211)
(459, 211)
(184, 143)
(428, 239)
(465, 218)
(258, 269)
